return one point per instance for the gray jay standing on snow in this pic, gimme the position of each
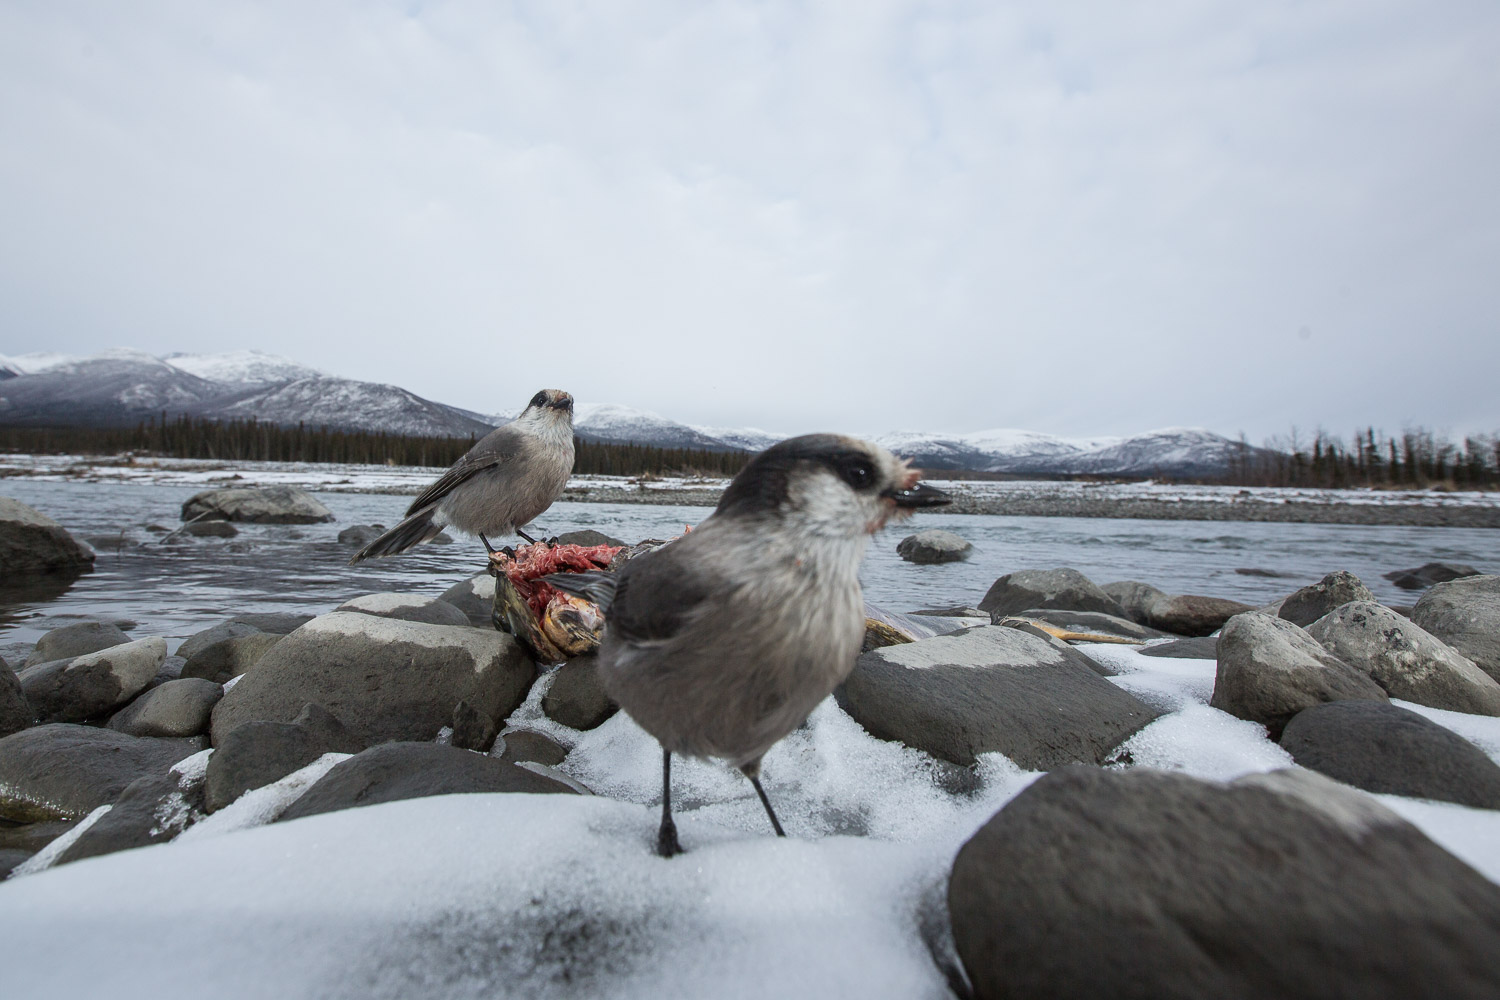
(722, 642)
(509, 477)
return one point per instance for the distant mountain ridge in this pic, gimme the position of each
(124, 387)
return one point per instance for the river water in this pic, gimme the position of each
(174, 590)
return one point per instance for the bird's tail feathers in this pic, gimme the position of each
(595, 587)
(411, 532)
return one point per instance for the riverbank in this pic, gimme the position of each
(1114, 500)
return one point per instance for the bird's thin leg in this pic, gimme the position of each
(526, 536)
(775, 823)
(487, 546)
(666, 837)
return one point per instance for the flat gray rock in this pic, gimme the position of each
(230, 657)
(384, 679)
(576, 697)
(1466, 615)
(262, 505)
(175, 708)
(406, 607)
(1388, 749)
(1147, 884)
(199, 641)
(515, 746)
(1066, 589)
(93, 684)
(1134, 597)
(475, 597)
(588, 538)
(1269, 670)
(1093, 621)
(210, 529)
(62, 771)
(1192, 614)
(992, 689)
(934, 546)
(275, 622)
(1201, 648)
(357, 536)
(395, 771)
(1307, 605)
(31, 542)
(258, 753)
(1406, 660)
(75, 640)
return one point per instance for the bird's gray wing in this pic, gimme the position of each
(656, 596)
(499, 446)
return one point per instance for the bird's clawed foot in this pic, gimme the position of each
(667, 845)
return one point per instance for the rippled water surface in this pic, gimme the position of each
(175, 590)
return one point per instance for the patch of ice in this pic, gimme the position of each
(1205, 743)
(260, 806)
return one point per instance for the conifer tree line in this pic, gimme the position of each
(1416, 458)
(258, 441)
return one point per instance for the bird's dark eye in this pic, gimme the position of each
(540, 399)
(857, 472)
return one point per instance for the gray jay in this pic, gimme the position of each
(723, 641)
(509, 477)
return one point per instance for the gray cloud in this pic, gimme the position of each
(1073, 219)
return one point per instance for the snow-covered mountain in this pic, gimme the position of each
(122, 387)
(242, 367)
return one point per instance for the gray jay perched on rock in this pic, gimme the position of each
(723, 641)
(509, 477)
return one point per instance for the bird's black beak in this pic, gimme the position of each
(920, 495)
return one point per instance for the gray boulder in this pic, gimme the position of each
(92, 684)
(406, 607)
(16, 712)
(357, 536)
(1408, 662)
(176, 708)
(265, 505)
(1269, 670)
(1134, 597)
(1093, 621)
(475, 597)
(1139, 883)
(198, 641)
(516, 746)
(588, 538)
(992, 689)
(1307, 605)
(230, 657)
(1066, 589)
(75, 640)
(151, 810)
(1430, 573)
(1466, 615)
(576, 697)
(1191, 614)
(1199, 648)
(275, 622)
(258, 753)
(62, 771)
(31, 542)
(384, 678)
(472, 729)
(394, 771)
(210, 529)
(934, 546)
(32, 837)
(1388, 749)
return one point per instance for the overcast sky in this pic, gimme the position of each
(1076, 218)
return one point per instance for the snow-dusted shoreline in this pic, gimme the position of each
(1029, 498)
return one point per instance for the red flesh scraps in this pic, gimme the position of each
(535, 561)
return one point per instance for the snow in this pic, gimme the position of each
(561, 896)
(241, 367)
